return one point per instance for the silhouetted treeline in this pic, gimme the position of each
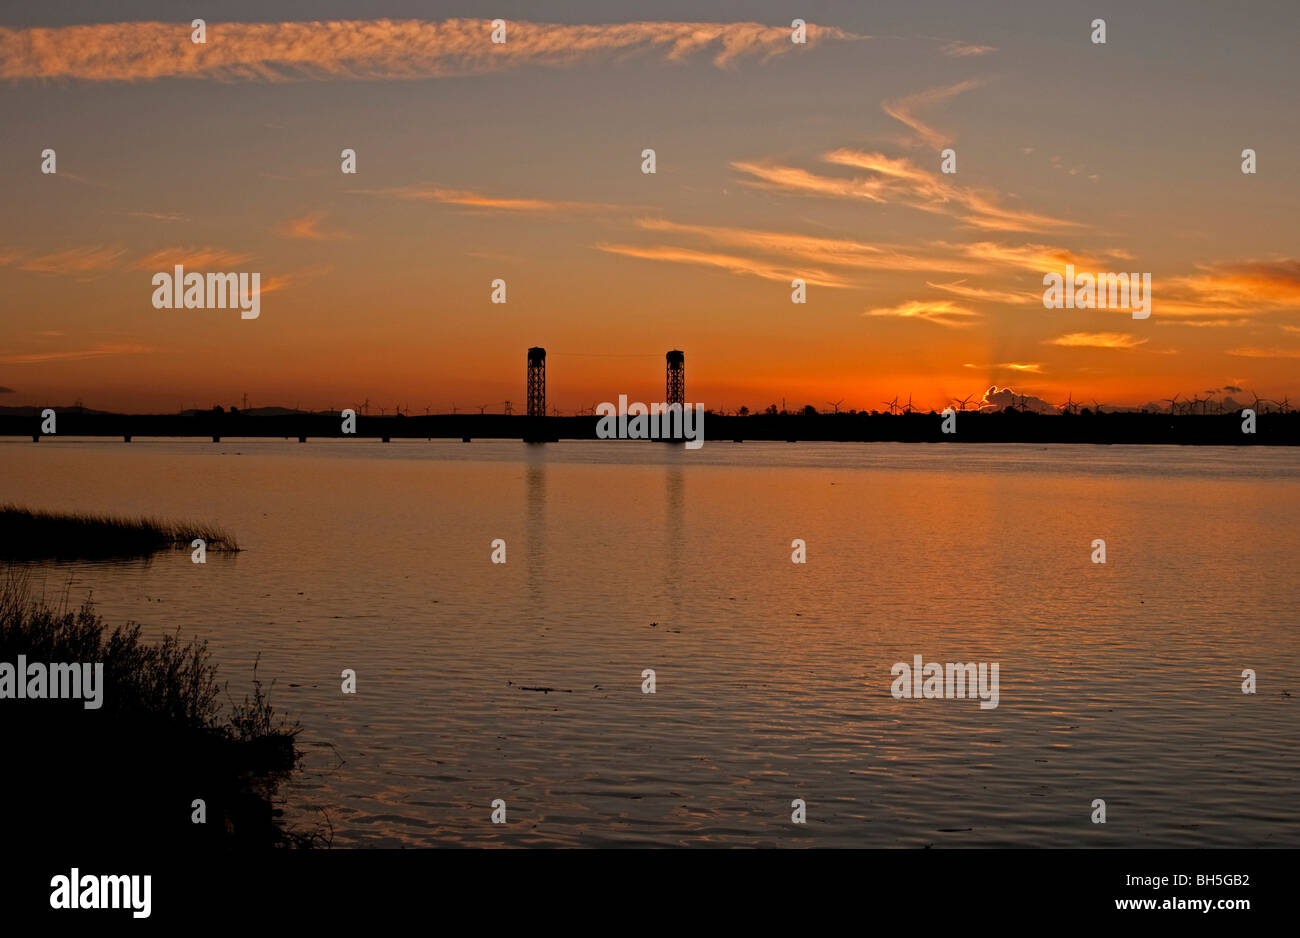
(1009, 426)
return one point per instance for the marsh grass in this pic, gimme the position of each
(131, 769)
(45, 535)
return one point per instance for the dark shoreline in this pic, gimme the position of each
(1009, 426)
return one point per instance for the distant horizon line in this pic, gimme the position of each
(1209, 407)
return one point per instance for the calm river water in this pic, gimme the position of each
(1119, 681)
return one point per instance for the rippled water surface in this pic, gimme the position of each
(1119, 681)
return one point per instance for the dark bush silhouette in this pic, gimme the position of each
(129, 771)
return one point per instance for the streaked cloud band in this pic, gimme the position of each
(371, 49)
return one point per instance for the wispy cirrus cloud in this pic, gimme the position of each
(897, 180)
(104, 350)
(1033, 368)
(79, 260)
(728, 262)
(309, 227)
(908, 183)
(1031, 258)
(159, 216)
(1251, 351)
(1203, 323)
(772, 251)
(192, 257)
(792, 179)
(940, 312)
(1101, 340)
(94, 259)
(963, 289)
(904, 109)
(74, 177)
(371, 49)
(960, 49)
(838, 252)
(273, 284)
(468, 198)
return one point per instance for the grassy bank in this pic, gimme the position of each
(45, 535)
(167, 733)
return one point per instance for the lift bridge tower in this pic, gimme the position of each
(537, 382)
(676, 378)
(535, 430)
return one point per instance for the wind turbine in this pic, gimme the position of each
(1173, 403)
(964, 401)
(909, 402)
(893, 405)
(836, 404)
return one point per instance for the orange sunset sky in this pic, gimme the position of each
(522, 161)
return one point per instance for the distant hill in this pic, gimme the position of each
(35, 410)
(252, 412)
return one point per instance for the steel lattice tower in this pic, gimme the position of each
(537, 382)
(676, 378)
